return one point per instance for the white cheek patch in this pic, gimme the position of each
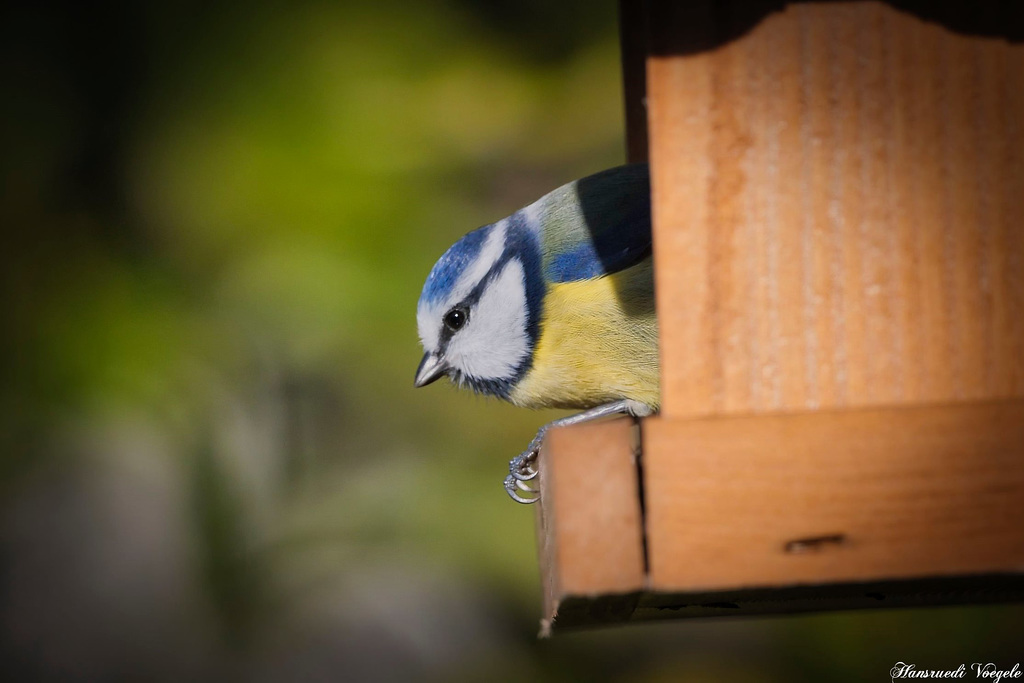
(494, 342)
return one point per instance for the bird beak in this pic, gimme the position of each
(430, 370)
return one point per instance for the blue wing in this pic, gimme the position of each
(597, 225)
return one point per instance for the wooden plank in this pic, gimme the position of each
(745, 502)
(838, 198)
(589, 523)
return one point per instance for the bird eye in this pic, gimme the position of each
(456, 318)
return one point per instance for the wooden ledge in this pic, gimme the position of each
(590, 523)
(783, 513)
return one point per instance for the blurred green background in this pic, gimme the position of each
(217, 219)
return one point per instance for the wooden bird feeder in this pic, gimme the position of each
(838, 201)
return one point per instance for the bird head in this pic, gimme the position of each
(478, 315)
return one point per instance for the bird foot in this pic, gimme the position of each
(522, 469)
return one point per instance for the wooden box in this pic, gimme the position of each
(838, 202)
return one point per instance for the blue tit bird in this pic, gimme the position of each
(552, 307)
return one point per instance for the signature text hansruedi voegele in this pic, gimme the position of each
(988, 672)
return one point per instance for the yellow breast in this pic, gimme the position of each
(598, 343)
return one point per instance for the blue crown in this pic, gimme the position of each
(452, 263)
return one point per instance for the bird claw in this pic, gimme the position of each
(523, 468)
(512, 485)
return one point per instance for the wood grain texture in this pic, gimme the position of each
(891, 493)
(838, 214)
(589, 525)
